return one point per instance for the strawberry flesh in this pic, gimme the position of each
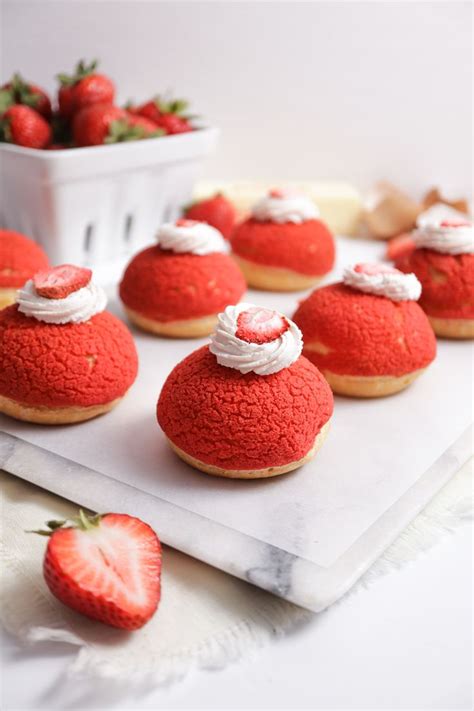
(109, 573)
(276, 193)
(59, 282)
(183, 222)
(259, 325)
(374, 269)
(455, 223)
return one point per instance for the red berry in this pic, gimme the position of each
(19, 91)
(83, 88)
(216, 211)
(93, 89)
(172, 124)
(92, 125)
(149, 110)
(168, 115)
(58, 282)
(25, 127)
(149, 127)
(66, 101)
(106, 567)
(259, 325)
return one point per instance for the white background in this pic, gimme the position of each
(313, 90)
(354, 91)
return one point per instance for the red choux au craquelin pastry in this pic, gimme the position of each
(367, 334)
(249, 405)
(443, 261)
(179, 286)
(63, 358)
(283, 246)
(20, 258)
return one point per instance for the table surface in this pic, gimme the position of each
(405, 643)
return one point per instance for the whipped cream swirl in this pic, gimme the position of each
(383, 281)
(77, 307)
(446, 237)
(191, 237)
(282, 206)
(261, 358)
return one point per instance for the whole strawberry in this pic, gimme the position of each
(83, 88)
(105, 567)
(149, 128)
(168, 115)
(19, 91)
(102, 123)
(216, 211)
(93, 125)
(24, 127)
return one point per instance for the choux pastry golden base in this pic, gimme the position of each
(373, 386)
(253, 473)
(266, 278)
(53, 415)
(452, 327)
(186, 328)
(7, 297)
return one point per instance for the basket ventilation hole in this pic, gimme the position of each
(88, 238)
(127, 232)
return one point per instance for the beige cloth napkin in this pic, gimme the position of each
(206, 618)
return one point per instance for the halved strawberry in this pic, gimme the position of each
(58, 282)
(105, 567)
(217, 211)
(259, 325)
(399, 247)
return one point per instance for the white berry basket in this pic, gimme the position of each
(98, 206)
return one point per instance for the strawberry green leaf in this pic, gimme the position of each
(6, 100)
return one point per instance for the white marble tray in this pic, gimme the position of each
(306, 536)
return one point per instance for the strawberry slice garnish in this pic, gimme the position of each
(399, 247)
(374, 269)
(455, 223)
(59, 282)
(105, 567)
(184, 222)
(259, 325)
(277, 193)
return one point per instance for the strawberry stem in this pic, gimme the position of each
(82, 70)
(83, 521)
